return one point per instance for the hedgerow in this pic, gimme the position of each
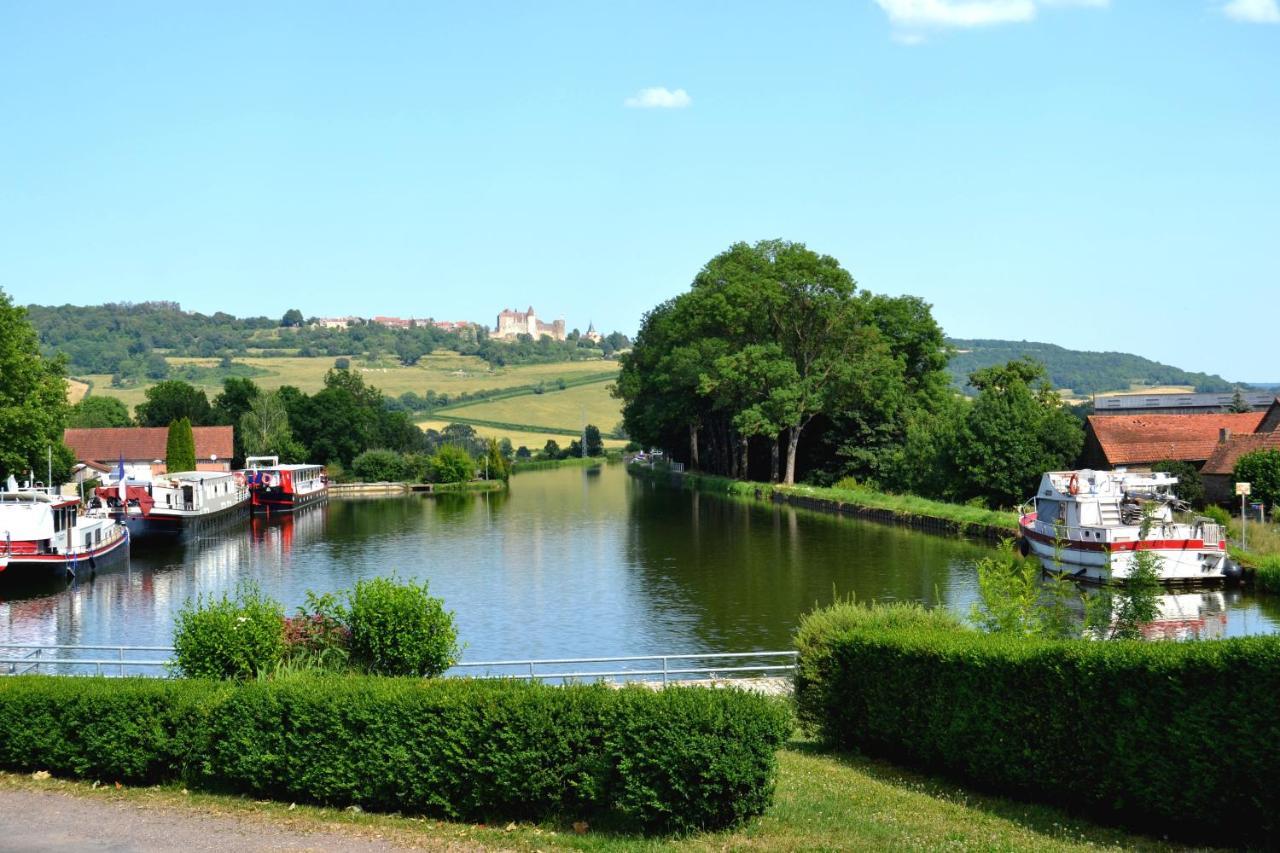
(672, 760)
(1163, 736)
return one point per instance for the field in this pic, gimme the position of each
(562, 410)
(535, 441)
(76, 390)
(443, 372)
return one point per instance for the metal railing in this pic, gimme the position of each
(27, 658)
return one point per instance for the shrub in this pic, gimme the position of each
(672, 760)
(1261, 469)
(1190, 487)
(239, 637)
(452, 464)
(400, 629)
(1179, 737)
(1218, 514)
(380, 466)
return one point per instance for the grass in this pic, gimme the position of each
(902, 505)
(564, 410)
(76, 390)
(535, 441)
(1263, 553)
(444, 372)
(824, 801)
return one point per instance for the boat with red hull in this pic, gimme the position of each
(276, 488)
(43, 535)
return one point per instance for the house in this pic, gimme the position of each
(1140, 441)
(1218, 472)
(143, 449)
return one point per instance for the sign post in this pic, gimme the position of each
(1243, 490)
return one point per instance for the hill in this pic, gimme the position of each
(1080, 371)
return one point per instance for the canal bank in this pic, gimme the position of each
(902, 510)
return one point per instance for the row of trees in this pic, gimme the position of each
(122, 339)
(775, 365)
(33, 401)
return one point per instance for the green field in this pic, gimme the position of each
(562, 410)
(442, 372)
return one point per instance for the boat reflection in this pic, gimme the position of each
(1186, 615)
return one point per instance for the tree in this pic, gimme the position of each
(180, 447)
(99, 413)
(496, 465)
(1261, 469)
(1239, 405)
(1190, 487)
(33, 400)
(173, 400)
(593, 442)
(380, 466)
(264, 429)
(292, 318)
(551, 450)
(523, 453)
(1014, 431)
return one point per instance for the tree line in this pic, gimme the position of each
(125, 340)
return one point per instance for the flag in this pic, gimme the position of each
(120, 483)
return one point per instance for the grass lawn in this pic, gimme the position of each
(824, 802)
(559, 409)
(443, 372)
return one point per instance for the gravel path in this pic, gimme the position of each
(51, 821)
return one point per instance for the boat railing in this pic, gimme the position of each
(157, 661)
(1209, 531)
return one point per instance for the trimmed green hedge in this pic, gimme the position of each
(1169, 737)
(672, 760)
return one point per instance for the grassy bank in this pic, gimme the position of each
(473, 486)
(548, 464)
(905, 508)
(824, 801)
(1262, 555)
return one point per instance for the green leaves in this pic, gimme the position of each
(33, 399)
(400, 629)
(180, 447)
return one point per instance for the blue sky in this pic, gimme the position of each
(1102, 175)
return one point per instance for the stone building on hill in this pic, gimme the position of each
(514, 323)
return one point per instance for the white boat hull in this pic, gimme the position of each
(1181, 560)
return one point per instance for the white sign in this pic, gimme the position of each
(1244, 488)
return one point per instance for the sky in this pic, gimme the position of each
(1100, 175)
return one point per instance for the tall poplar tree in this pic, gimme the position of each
(180, 448)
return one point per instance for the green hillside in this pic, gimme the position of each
(1082, 372)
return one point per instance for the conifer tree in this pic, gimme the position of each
(180, 448)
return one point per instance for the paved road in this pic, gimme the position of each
(51, 821)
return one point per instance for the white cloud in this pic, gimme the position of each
(1253, 11)
(909, 17)
(956, 13)
(659, 97)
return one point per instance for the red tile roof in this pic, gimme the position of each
(1224, 457)
(137, 444)
(1133, 439)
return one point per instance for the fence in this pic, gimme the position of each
(22, 659)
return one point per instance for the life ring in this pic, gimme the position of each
(1073, 485)
(239, 478)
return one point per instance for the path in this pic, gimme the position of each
(53, 821)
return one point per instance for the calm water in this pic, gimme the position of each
(567, 564)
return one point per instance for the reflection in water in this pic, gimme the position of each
(568, 564)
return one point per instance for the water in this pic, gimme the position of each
(568, 564)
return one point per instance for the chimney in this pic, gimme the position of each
(1224, 434)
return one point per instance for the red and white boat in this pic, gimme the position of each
(1089, 524)
(45, 535)
(284, 488)
(176, 504)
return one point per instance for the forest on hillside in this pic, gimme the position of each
(1082, 372)
(130, 340)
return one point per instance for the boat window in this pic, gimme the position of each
(88, 540)
(57, 520)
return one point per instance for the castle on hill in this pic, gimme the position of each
(513, 323)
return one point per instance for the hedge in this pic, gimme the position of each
(673, 760)
(1166, 737)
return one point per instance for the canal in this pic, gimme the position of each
(568, 563)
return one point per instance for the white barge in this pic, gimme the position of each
(174, 504)
(45, 535)
(1089, 524)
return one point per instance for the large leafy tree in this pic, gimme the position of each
(1014, 431)
(173, 400)
(33, 400)
(99, 413)
(772, 340)
(264, 429)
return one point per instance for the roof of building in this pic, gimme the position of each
(1176, 400)
(1133, 439)
(1227, 453)
(144, 443)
